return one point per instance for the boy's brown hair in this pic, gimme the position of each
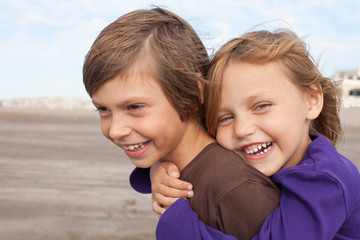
(284, 47)
(156, 43)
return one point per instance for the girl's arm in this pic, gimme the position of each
(165, 185)
(180, 222)
(311, 207)
(188, 224)
(140, 180)
(311, 213)
(165, 176)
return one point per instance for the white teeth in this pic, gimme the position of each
(265, 147)
(134, 147)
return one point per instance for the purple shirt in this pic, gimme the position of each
(320, 200)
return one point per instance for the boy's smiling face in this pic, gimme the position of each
(137, 116)
(263, 116)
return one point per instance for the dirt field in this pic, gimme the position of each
(61, 179)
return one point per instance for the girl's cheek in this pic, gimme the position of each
(222, 139)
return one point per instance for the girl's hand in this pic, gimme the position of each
(166, 186)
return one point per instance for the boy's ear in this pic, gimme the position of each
(201, 86)
(315, 101)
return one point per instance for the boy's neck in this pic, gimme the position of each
(194, 141)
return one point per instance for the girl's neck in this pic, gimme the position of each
(300, 154)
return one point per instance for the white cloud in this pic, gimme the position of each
(32, 19)
(46, 40)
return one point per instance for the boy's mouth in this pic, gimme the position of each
(257, 149)
(134, 147)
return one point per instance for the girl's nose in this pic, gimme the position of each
(243, 127)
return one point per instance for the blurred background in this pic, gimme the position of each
(59, 177)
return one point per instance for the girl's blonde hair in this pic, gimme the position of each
(286, 48)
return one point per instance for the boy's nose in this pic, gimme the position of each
(119, 129)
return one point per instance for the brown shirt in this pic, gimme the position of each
(229, 194)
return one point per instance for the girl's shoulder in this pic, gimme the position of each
(322, 169)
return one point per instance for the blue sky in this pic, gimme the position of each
(43, 42)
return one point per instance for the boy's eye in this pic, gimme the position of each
(102, 109)
(135, 106)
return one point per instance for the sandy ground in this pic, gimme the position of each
(61, 179)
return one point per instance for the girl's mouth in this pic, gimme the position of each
(257, 149)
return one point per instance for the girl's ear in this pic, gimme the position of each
(315, 101)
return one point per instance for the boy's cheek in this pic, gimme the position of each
(105, 129)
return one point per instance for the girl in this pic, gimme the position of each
(269, 103)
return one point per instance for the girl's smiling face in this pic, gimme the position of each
(263, 116)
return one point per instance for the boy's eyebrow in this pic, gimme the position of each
(94, 102)
(132, 100)
(125, 102)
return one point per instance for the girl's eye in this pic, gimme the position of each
(226, 118)
(262, 106)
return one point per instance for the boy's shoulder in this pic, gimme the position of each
(216, 159)
(222, 169)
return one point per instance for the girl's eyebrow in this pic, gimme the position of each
(259, 95)
(250, 99)
(224, 111)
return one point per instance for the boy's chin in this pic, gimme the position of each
(141, 164)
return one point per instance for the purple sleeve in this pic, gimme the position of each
(306, 211)
(140, 180)
(180, 222)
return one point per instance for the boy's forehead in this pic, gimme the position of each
(122, 89)
(142, 70)
(140, 77)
